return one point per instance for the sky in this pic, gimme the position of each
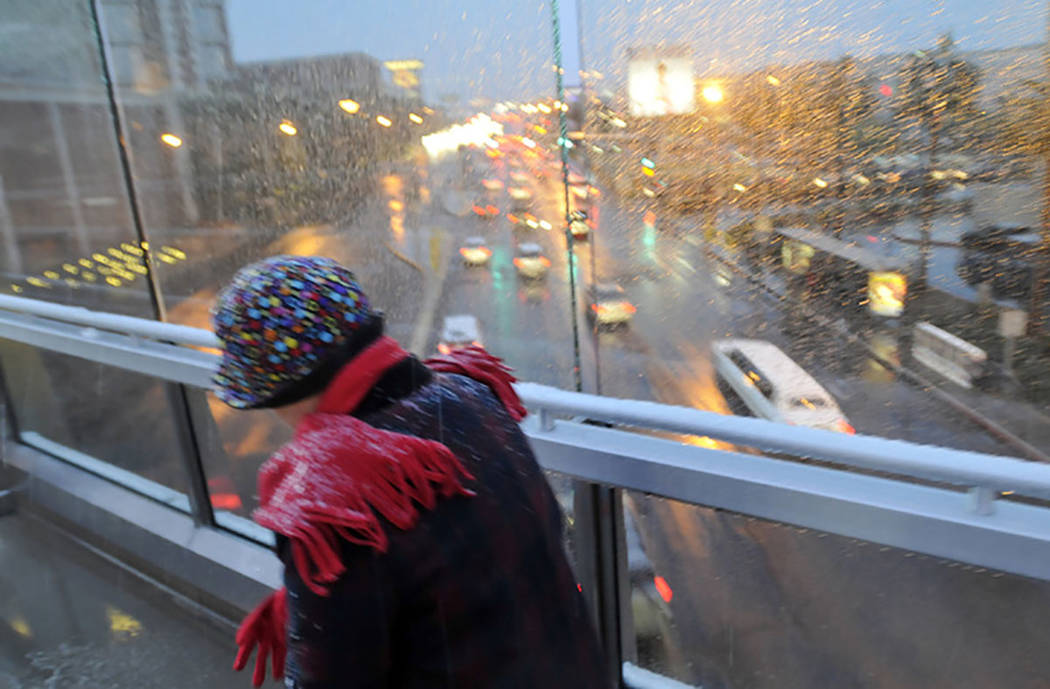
(503, 48)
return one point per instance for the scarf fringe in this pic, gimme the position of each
(339, 475)
(379, 473)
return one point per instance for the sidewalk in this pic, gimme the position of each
(70, 618)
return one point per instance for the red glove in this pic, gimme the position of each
(265, 626)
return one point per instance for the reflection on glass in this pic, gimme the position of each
(759, 604)
(65, 226)
(118, 424)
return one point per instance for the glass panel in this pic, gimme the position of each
(233, 445)
(746, 602)
(65, 226)
(825, 191)
(123, 23)
(209, 24)
(118, 424)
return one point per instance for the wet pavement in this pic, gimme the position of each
(70, 618)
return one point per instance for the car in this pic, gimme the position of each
(578, 225)
(459, 331)
(526, 222)
(520, 177)
(485, 210)
(520, 199)
(758, 378)
(650, 593)
(474, 252)
(608, 305)
(530, 261)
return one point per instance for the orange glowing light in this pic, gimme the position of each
(663, 588)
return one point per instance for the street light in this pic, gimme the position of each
(350, 105)
(171, 139)
(287, 128)
(415, 118)
(383, 121)
(713, 93)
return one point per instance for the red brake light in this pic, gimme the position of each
(475, 343)
(444, 348)
(545, 261)
(843, 426)
(663, 588)
(511, 217)
(226, 501)
(492, 210)
(517, 263)
(630, 307)
(478, 210)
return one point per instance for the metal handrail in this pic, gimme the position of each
(961, 467)
(129, 325)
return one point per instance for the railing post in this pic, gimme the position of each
(983, 500)
(601, 545)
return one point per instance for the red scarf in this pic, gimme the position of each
(339, 474)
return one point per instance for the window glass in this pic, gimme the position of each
(122, 23)
(117, 424)
(826, 191)
(719, 599)
(207, 20)
(63, 202)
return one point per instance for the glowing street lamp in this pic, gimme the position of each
(713, 94)
(350, 105)
(171, 139)
(383, 121)
(287, 128)
(415, 118)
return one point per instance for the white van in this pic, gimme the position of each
(772, 386)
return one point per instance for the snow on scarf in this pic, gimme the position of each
(339, 474)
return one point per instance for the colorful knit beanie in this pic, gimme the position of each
(278, 320)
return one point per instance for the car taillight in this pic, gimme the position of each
(478, 210)
(226, 501)
(545, 261)
(492, 210)
(663, 588)
(511, 217)
(598, 308)
(444, 348)
(475, 343)
(843, 426)
(517, 263)
(630, 307)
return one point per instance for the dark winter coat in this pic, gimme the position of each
(478, 594)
